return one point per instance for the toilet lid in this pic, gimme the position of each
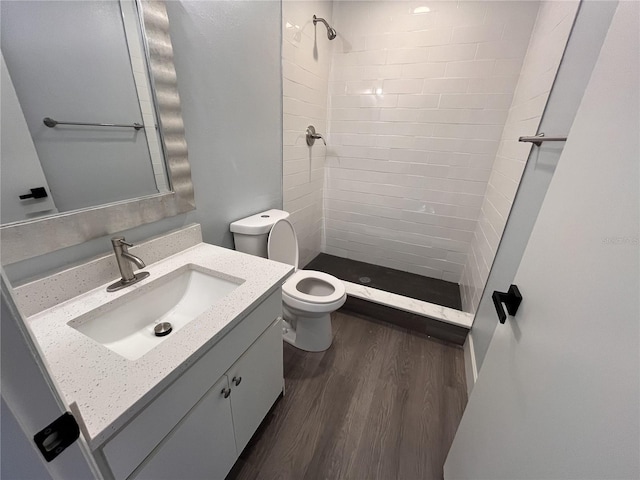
(283, 243)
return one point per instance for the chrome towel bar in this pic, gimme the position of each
(538, 139)
(50, 122)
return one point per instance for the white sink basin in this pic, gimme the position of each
(178, 298)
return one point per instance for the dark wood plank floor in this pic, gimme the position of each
(427, 289)
(381, 403)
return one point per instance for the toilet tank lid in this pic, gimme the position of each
(259, 223)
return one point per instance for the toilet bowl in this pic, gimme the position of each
(308, 297)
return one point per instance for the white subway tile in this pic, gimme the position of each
(502, 49)
(406, 155)
(401, 115)
(505, 85)
(407, 55)
(430, 37)
(477, 33)
(452, 53)
(445, 85)
(418, 101)
(473, 68)
(402, 86)
(514, 12)
(507, 67)
(463, 100)
(423, 70)
(371, 57)
(461, 13)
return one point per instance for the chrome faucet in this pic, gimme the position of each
(125, 259)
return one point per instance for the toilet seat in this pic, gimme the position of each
(283, 247)
(291, 287)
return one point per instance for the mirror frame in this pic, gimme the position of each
(27, 239)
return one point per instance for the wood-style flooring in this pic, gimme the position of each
(382, 403)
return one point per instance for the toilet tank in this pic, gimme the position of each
(251, 234)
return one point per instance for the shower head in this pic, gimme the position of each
(331, 32)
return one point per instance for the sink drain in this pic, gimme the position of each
(162, 329)
(364, 280)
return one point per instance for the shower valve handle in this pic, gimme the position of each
(312, 136)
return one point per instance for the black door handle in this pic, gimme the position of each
(38, 192)
(511, 299)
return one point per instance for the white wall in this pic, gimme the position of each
(306, 60)
(541, 63)
(227, 57)
(417, 108)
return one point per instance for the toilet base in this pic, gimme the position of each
(311, 334)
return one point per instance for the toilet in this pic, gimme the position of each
(308, 297)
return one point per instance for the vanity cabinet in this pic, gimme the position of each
(198, 426)
(200, 445)
(256, 380)
(207, 442)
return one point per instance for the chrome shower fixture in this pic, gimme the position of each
(331, 33)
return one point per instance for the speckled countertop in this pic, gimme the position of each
(109, 389)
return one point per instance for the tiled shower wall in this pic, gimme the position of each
(306, 60)
(541, 63)
(418, 103)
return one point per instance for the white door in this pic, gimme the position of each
(558, 395)
(29, 405)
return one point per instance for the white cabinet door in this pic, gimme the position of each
(258, 382)
(201, 446)
(558, 393)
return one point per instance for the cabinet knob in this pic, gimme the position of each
(236, 380)
(226, 392)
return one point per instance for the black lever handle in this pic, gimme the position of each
(38, 192)
(511, 299)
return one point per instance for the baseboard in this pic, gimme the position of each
(470, 368)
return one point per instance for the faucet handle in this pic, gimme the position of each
(120, 241)
(312, 136)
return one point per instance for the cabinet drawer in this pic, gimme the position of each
(129, 447)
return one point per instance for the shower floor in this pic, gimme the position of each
(407, 284)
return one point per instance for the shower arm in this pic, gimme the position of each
(331, 33)
(318, 19)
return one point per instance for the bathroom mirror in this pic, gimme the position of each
(92, 133)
